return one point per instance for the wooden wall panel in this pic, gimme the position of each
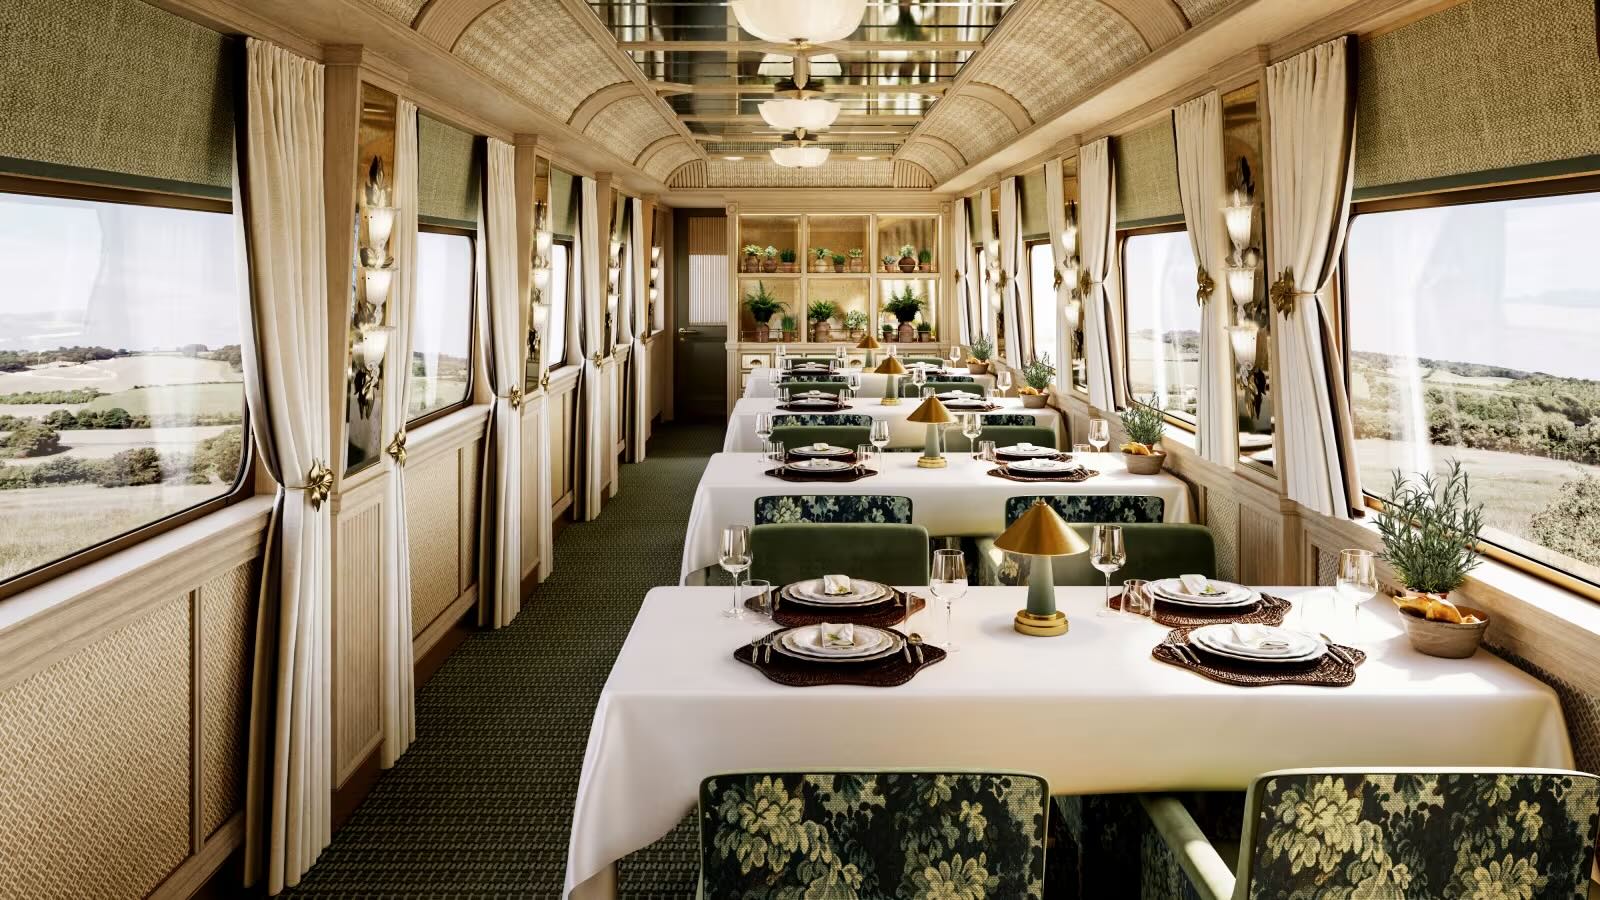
(357, 602)
(532, 459)
(562, 411)
(470, 464)
(1260, 546)
(433, 525)
(227, 606)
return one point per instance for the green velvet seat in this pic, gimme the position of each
(779, 419)
(832, 508)
(847, 436)
(875, 834)
(1155, 550)
(888, 553)
(827, 387)
(907, 389)
(1002, 435)
(1414, 834)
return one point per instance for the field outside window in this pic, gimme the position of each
(441, 331)
(1163, 321)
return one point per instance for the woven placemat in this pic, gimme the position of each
(1329, 670)
(1012, 457)
(887, 672)
(1080, 475)
(794, 614)
(1269, 610)
(846, 477)
(799, 456)
(953, 407)
(790, 407)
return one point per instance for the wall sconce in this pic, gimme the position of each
(1240, 218)
(374, 345)
(380, 226)
(369, 336)
(376, 281)
(1073, 313)
(1242, 284)
(1243, 339)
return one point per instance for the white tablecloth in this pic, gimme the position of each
(741, 436)
(1090, 711)
(960, 499)
(757, 384)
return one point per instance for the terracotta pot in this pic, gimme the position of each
(857, 265)
(907, 333)
(786, 268)
(751, 264)
(1144, 465)
(977, 368)
(924, 267)
(821, 332)
(1447, 640)
(908, 264)
(769, 265)
(1034, 401)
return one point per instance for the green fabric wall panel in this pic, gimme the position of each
(115, 91)
(447, 173)
(1035, 212)
(1147, 176)
(564, 203)
(1481, 87)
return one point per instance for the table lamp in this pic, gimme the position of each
(869, 344)
(932, 414)
(1041, 533)
(892, 368)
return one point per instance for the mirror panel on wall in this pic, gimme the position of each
(372, 279)
(1250, 334)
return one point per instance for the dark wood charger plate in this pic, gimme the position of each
(855, 474)
(1074, 478)
(890, 671)
(1336, 668)
(1013, 457)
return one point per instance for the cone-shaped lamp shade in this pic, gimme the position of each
(890, 366)
(1041, 532)
(869, 343)
(931, 412)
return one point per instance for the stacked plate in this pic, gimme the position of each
(818, 466)
(1258, 644)
(1043, 468)
(1029, 451)
(870, 643)
(1215, 595)
(811, 452)
(862, 593)
(824, 400)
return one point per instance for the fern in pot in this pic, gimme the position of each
(1430, 529)
(763, 305)
(1144, 424)
(1038, 373)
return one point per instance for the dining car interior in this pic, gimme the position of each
(800, 449)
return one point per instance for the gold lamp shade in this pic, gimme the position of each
(1041, 533)
(869, 343)
(890, 366)
(932, 412)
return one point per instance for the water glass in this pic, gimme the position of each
(1099, 434)
(783, 394)
(927, 391)
(1136, 597)
(1002, 380)
(986, 451)
(735, 559)
(774, 452)
(949, 584)
(1356, 581)
(1107, 553)
(760, 591)
(866, 455)
(971, 427)
(1081, 448)
(839, 354)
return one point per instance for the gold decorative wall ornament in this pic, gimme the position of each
(544, 380)
(1001, 279)
(1204, 286)
(1083, 283)
(1283, 293)
(397, 447)
(319, 483)
(1059, 279)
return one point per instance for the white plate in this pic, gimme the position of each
(838, 603)
(1175, 600)
(802, 643)
(1228, 591)
(812, 401)
(1044, 466)
(1219, 639)
(860, 590)
(1033, 451)
(814, 466)
(829, 450)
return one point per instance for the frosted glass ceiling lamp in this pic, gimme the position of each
(790, 115)
(799, 156)
(804, 21)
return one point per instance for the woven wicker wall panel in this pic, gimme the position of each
(402, 11)
(1222, 518)
(724, 173)
(447, 171)
(1260, 547)
(1197, 11)
(910, 175)
(1327, 566)
(668, 159)
(433, 527)
(1062, 48)
(628, 126)
(928, 156)
(540, 53)
(1485, 85)
(1147, 173)
(471, 466)
(94, 789)
(357, 612)
(972, 125)
(117, 86)
(228, 606)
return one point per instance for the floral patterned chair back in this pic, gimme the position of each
(1122, 508)
(832, 508)
(810, 376)
(908, 389)
(781, 419)
(962, 836)
(1512, 833)
(993, 419)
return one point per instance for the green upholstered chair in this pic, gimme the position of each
(876, 834)
(788, 377)
(925, 360)
(1002, 435)
(1414, 834)
(907, 389)
(1009, 419)
(847, 436)
(832, 508)
(888, 553)
(1154, 551)
(828, 387)
(781, 419)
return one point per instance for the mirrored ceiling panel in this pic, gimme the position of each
(885, 76)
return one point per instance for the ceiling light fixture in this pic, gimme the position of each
(790, 115)
(812, 22)
(799, 156)
(733, 158)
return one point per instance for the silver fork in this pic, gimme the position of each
(1337, 651)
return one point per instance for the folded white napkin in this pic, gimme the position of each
(837, 636)
(836, 585)
(820, 445)
(1257, 637)
(1197, 585)
(1024, 445)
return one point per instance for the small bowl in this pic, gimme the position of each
(1034, 401)
(1447, 640)
(1144, 465)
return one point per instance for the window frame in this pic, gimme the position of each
(472, 327)
(244, 484)
(1522, 190)
(571, 244)
(1033, 302)
(1122, 268)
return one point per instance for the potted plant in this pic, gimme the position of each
(752, 259)
(1038, 373)
(905, 305)
(908, 259)
(982, 347)
(857, 264)
(791, 328)
(924, 332)
(1430, 529)
(925, 260)
(822, 260)
(786, 260)
(891, 263)
(763, 305)
(1144, 423)
(820, 312)
(769, 260)
(838, 262)
(888, 331)
(855, 321)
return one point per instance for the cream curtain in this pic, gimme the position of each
(504, 339)
(1016, 291)
(1197, 126)
(1097, 232)
(399, 695)
(966, 274)
(278, 197)
(1055, 198)
(989, 296)
(1311, 101)
(639, 358)
(595, 431)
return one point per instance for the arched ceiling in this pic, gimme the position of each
(668, 87)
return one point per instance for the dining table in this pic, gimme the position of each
(1091, 711)
(960, 500)
(758, 383)
(741, 435)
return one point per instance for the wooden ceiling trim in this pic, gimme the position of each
(1000, 99)
(596, 102)
(1156, 21)
(445, 21)
(654, 147)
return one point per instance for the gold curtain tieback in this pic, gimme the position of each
(319, 483)
(515, 398)
(1059, 279)
(1284, 291)
(397, 447)
(599, 357)
(1083, 282)
(1205, 285)
(544, 380)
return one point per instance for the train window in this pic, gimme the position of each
(441, 331)
(121, 382)
(1470, 335)
(1163, 321)
(1042, 280)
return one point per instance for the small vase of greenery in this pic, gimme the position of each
(752, 258)
(981, 348)
(822, 260)
(925, 260)
(857, 264)
(838, 262)
(924, 332)
(1037, 373)
(819, 313)
(791, 328)
(786, 260)
(763, 305)
(769, 259)
(1430, 529)
(1144, 423)
(908, 259)
(890, 262)
(855, 321)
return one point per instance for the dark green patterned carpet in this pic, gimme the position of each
(481, 804)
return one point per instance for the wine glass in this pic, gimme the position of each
(949, 584)
(1099, 434)
(1107, 553)
(852, 382)
(774, 376)
(763, 425)
(880, 434)
(839, 356)
(971, 427)
(1002, 380)
(919, 377)
(1356, 582)
(735, 560)
(780, 355)
(955, 356)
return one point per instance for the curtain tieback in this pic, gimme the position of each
(1083, 282)
(1204, 284)
(544, 380)
(397, 447)
(1284, 291)
(319, 483)
(599, 357)
(514, 398)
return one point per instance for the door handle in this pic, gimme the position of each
(688, 331)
